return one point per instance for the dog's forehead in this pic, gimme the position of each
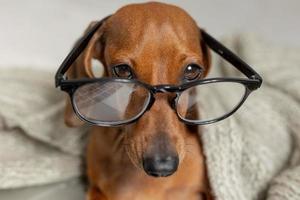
(157, 37)
(158, 20)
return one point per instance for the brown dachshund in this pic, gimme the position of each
(158, 157)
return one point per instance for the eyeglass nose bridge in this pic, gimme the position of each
(164, 89)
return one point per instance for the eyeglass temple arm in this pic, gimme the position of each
(75, 52)
(228, 55)
(209, 40)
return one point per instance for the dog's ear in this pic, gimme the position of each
(206, 54)
(89, 64)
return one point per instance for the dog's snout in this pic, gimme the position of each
(161, 158)
(160, 165)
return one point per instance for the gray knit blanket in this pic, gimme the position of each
(35, 145)
(254, 154)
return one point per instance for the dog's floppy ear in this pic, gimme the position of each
(206, 54)
(89, 64)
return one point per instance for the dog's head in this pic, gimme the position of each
(159, 44)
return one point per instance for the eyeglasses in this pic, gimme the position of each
(118, 101)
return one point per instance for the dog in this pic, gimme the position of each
(156, 42)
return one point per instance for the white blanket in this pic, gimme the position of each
(255, 154)
(35, 145)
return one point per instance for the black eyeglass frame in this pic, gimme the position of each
(253, 82)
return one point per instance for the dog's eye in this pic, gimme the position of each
(192, 72)
(123, 71)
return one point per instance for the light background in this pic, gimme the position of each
(39, 33)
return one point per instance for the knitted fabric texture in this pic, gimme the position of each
(36, 147)
(255, 154)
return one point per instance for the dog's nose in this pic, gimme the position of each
(160, 165)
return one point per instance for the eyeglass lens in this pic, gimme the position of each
(110, 101)
(209, 101)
